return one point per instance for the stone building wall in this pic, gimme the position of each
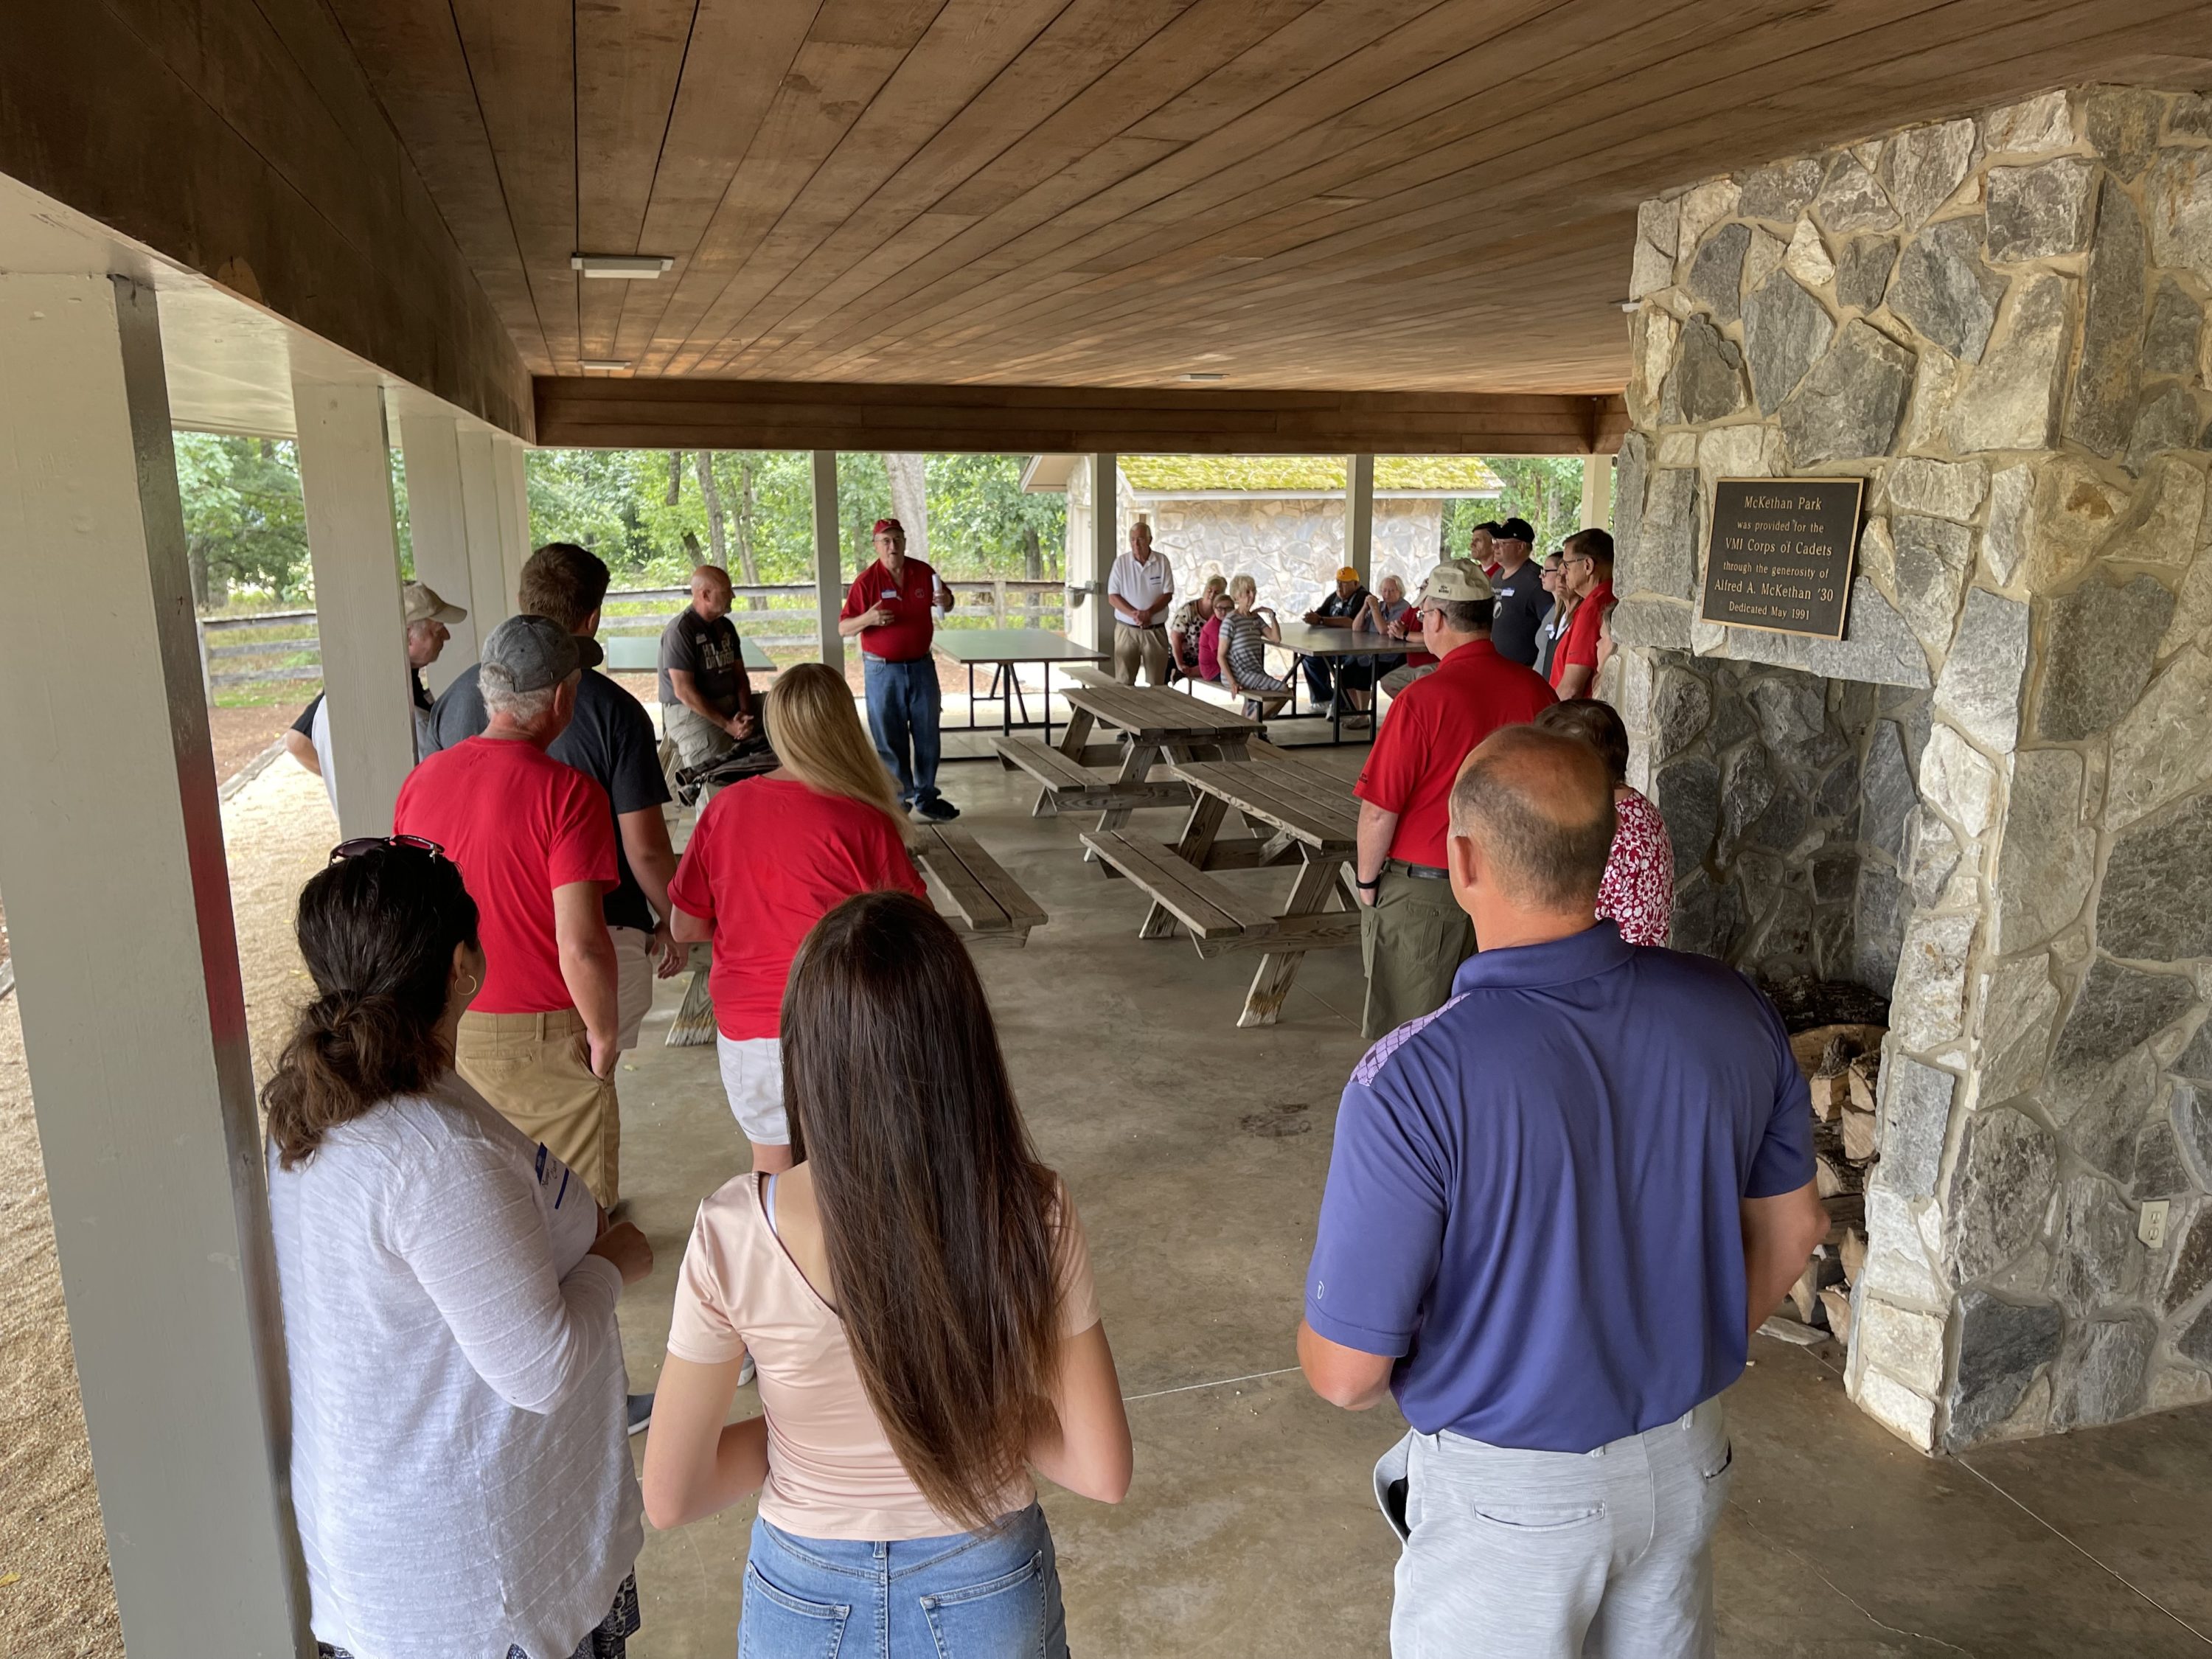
(1292, 547)
(1999, 323)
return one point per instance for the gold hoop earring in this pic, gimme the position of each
(475, 985)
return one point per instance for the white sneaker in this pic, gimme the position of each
(747, 1372)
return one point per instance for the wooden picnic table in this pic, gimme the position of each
(640, 653)
(1313, 823)
(1001, 650)
(1304, 640)
(1152, 722)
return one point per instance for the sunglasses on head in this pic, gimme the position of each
(360, 844)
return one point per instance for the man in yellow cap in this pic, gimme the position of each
(1340, 609)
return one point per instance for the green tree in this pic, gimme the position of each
(980, 523)
(245, 523)
(1545, 490)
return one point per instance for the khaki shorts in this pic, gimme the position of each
(537, 1070)
(1412, 941)
(632, 982)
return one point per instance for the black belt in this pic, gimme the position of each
(1417, 871)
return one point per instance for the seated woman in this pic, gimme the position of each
(1209, 640)
(1245, 634)
(771, 856)
(1183, 635)
(461, 1468)
(1638, 891)
(916, 1292)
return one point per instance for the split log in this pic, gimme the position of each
(1853, 1252)
(1836, 1303)
(1859, 1143)
(1846, 1214)
(1834, 1176)
(1829, 1094)
(1862, 1083)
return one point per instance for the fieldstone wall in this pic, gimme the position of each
(1790, 801)
(1292, 547)
(1999, 323)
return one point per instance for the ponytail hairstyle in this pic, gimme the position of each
(378, 931)
(938, 1217)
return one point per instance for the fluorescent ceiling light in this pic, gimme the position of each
(607, 363)
(623, 267)
(1206, 375)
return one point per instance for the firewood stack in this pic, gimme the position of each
(1843, 1065)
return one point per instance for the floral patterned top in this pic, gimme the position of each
(1638, 889)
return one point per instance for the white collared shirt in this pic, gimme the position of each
(1141, 582)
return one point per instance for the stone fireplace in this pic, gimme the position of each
(1992, 799)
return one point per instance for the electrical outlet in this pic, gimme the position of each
(2150, 1226)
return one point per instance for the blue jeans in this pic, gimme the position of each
(903, 705)
(968, 1596)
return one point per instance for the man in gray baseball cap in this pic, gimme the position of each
(535, 842)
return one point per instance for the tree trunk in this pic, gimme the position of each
(717, 536)
(747, 518)
(675, 477)
(909, 502)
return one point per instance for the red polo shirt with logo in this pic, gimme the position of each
(1580, 645)
(912, 601)
(1433, 727)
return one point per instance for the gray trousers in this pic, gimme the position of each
(1557, 1555)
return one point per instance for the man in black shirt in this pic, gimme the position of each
(1523, 603)
(706, 698)
(308, 741)
(609, 741)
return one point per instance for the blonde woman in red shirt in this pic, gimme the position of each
(771, 856)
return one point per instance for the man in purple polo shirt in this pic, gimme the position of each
(1552, 1251)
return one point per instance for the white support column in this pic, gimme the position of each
(828, 568)
(1097, 630)
(134, 1019)
(1360, 515)
(480, 516)
(511, 488)
(353, 540)
(430, 448)
(1597, 492)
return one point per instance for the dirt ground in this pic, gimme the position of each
(55, 1596)
(239, 734)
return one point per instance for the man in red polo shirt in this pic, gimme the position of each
(1412, 934)
(1588, 573)
(535, 842)
(892, 606)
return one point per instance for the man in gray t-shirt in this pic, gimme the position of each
(706, 698)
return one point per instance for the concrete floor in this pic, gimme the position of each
(1197, 1153)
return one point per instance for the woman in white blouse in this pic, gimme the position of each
(460, 1467)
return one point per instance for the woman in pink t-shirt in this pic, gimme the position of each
(916, 1292)
(770, 857)
(1638, 892)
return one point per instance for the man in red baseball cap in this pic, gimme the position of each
(892, 606)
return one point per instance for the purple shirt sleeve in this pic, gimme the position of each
(1382, 1227)
(1782, 1161)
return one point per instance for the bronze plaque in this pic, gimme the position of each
(1779, 556)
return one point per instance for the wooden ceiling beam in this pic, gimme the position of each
(620, 413)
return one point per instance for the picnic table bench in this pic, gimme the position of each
(991, 901)
(1153, 721)
(1314, 825)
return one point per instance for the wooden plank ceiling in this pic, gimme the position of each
(1351, 194)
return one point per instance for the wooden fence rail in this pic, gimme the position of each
(1011, 601)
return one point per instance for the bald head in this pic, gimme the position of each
(710, 592)
(1538, 805)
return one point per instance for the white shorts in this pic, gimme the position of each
(752, 1077)
(632, 982)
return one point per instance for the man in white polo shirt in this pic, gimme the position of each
(1140, 590)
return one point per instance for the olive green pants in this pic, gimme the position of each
(1412, 941)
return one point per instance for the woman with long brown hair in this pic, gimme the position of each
(459, 1465)
(769, 858)
(917, 1291)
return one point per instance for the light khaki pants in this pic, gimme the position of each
(632, 982)
(537, 1070)
(1412, 941)
(1135, 647)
